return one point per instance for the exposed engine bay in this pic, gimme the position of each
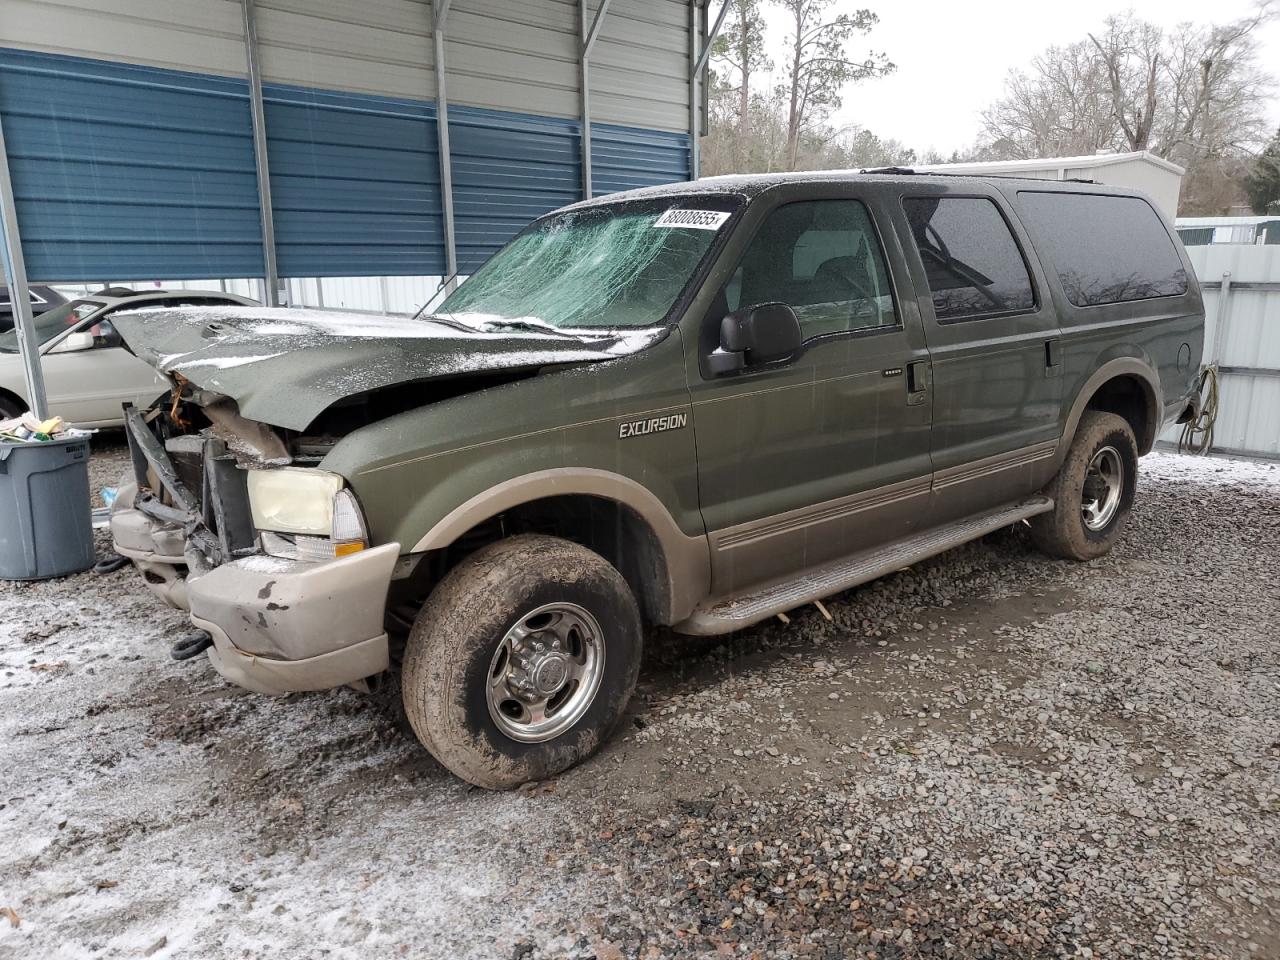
(192, 451)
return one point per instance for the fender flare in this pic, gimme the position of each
(1134, 367)
(687, 559)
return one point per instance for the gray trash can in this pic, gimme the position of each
(46, 526)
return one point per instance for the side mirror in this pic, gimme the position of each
(75, 342)
(759, 334)
(105, 335)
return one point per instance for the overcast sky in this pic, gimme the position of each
(953, 57)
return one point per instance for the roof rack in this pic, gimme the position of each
(912, 172)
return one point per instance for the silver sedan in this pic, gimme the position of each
(88, 373)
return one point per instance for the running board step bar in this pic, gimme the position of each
(714, 617)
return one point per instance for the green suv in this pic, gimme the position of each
(696, 405)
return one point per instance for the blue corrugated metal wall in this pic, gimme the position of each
(508, 168)
(129, 171)
(355, 184)
(118, 167)
(623, 158)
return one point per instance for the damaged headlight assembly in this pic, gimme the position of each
(306, 514)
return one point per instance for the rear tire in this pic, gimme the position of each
(522, 661)
(1093, 492)
(8, 409)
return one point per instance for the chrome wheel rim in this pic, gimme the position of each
(1103, 485)
(545, 673)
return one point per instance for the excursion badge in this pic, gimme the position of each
(639, 428)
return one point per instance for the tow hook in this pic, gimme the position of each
(194, 643)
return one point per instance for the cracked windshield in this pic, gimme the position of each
(600, 268)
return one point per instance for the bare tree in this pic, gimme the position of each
(817, 66)
(1058, 107)
(1130, 52)
(1194, 95)
(1216, 90)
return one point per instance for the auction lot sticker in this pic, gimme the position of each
(694, 219)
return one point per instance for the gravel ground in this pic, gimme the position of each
(991, 754)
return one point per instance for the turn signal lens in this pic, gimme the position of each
(348, 521)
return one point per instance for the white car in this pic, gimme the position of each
(88, 375)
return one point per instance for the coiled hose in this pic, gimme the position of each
(1197, 433)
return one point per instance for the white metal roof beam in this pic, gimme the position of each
(593, 34)
(439, 11)
(438, 15)
(711, 39)
(589, 35)
(15, 271)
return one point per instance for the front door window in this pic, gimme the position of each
(823, 259)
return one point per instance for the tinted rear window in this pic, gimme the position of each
(1105, 249)
(972, 262)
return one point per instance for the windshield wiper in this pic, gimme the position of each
(536, 326)
(448, 321)
(444, 282)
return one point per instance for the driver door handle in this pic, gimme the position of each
(917, 381)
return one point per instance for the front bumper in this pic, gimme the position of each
(281, 626)
(278, 626)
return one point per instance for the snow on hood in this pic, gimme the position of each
(284, 366)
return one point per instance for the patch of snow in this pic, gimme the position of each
(154, 809)
(1168, 467)
(262, 563)
(243, 324)
(635, 340)
(222, 363)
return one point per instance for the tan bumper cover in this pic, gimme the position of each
(138, 536)
(281, 626)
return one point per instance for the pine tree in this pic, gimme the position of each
(1263, 182)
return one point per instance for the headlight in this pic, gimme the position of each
(323, 519)
(293, 500)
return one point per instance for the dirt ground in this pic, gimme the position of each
(990, 754)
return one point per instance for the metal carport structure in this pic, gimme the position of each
(193, 139)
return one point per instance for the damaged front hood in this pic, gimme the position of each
(285, 367)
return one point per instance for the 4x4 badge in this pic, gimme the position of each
(638, 428)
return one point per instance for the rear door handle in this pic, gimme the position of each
(917, 381)
(1052, 357)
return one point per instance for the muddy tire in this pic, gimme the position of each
(522, 661)
(1093, 492)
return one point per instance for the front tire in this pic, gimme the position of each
(1093, 492)
(522, 661)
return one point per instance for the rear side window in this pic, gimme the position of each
(1105, 249)
(972, 262)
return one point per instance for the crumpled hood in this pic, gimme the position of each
(284, 366)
